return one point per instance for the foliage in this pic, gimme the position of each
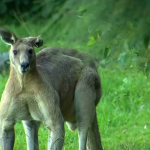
(29, 8)
(115, 32)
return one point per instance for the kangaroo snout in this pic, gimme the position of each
(25, 67)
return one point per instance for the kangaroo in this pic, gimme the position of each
(52, 87)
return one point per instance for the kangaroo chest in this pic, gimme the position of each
(26, 107)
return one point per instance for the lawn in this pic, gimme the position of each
(123, 114)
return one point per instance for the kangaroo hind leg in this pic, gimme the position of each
(85, 97)
(94, 139)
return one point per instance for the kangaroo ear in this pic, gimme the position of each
(38, 42)
(7, 36)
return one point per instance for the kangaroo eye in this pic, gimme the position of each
(30, 51)
(15, 52)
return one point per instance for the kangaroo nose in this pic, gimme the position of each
(24, 66)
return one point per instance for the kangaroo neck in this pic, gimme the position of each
(24, 79)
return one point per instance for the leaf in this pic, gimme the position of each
(81, 11)
(106, 51)
(91, 41)
(98, 36)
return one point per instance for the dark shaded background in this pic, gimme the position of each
(116, 32)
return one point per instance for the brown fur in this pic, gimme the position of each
(59, 85)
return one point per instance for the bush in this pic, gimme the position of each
(114, 31)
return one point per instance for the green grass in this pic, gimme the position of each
(123, 114)
(124, 110)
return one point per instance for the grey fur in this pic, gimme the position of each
(57, 86)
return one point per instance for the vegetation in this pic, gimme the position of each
(116, 32)
(123, 114)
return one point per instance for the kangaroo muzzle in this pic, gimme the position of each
(25, 67)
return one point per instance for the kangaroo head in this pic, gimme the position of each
(22, 55)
